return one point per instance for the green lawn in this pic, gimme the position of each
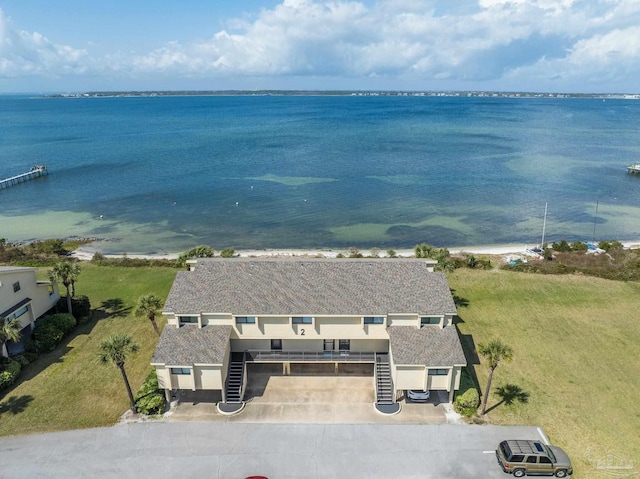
(575, 341)
(69, 388)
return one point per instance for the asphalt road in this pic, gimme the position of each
(231, 450)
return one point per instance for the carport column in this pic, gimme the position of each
(167, 395)
(286, 368)
(452, 383)
(336, 368)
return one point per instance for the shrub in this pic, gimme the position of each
(579, 246)
(97, 257)
(150, 399)
(80, 304)
(9, 372)
(63, 321)
(423, 250)
(31, 356)
(391, 253)
(561, 247)
(609, 245)
(47, 335)
(467, 399)
(227, 252)
(201, 251)
(22, 359)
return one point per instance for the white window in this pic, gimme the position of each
(181, 371)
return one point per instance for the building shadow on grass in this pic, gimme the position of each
(509, 394)
(15, 404)
(470, 354)
(111, 308)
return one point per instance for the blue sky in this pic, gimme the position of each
(506, 45)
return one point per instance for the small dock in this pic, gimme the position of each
(33, 173)
(634, 169)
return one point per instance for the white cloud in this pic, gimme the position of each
(509, 41)
(24, 53)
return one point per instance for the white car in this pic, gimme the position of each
(418, 396)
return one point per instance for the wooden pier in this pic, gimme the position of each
(34, 172)
(634, 169)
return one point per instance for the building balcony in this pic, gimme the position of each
(310, 357)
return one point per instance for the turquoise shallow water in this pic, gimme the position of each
(163, 174)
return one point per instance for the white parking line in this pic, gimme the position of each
(544, 438)
(488, 452)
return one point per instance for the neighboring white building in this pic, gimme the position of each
(24, 298)
(393, 317)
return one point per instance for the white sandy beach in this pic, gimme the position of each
(86, 252)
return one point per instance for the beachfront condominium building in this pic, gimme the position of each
(393, 317)
(26, 299)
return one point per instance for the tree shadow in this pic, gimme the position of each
(15, 404)
(510, 394)
(112, 308)
(459, 301)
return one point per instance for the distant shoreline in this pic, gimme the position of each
(356, 93)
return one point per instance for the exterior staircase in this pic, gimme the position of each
(233, 389)
(385, 395)
(384, 384)
(234, 378)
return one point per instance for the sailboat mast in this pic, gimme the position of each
(544, 225)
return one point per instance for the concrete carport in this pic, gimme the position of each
(310, 393)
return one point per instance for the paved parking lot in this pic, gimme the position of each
(310, 399)
(278, 451)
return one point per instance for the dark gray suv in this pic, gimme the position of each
(523, 457)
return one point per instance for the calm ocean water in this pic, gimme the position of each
(164, 174)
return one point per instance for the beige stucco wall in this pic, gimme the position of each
(164, 378)
(38, 292)
(239, 345)
(339, 327)
(410, 377)
(403, 320)
(208, 377)
(369, 345)
(275, 326)
(417, 377)
(217, 319)
(439, 382)
(182, 381)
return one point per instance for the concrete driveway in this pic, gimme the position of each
(311, 399)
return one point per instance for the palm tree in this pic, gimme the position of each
(75, 272)
(67, 273)
(115, 349)
(494, 352)
(149, 305)
(9, 331)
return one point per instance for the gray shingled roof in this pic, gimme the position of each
(430, 345)
(291, 286)
(189, 345)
